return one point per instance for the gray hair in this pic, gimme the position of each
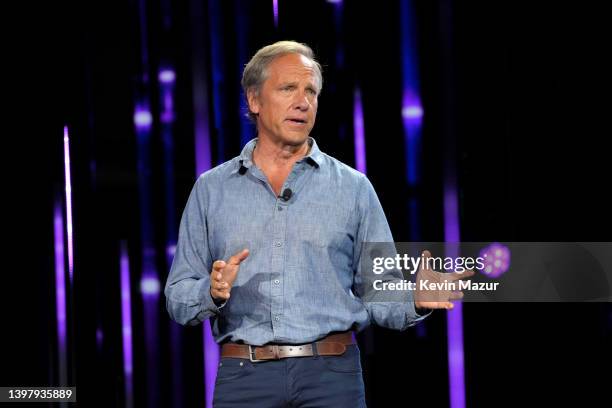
(256, 71)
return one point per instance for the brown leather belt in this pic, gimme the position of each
(331, 345)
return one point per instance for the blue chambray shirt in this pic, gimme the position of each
(298, 282)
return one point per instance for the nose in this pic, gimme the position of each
(302, 102)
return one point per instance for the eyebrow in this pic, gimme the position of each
(294, 83)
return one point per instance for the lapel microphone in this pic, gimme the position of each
(287, 193)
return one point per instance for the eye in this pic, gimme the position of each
(311, 91)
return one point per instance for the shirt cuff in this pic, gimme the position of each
(209, 302)
(422, 312)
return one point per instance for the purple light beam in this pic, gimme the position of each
(359, 133)
(68, 189)
(60, 291)
(275, 12)
(126, 324)
(454, 321)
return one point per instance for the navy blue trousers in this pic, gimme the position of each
(306, 382)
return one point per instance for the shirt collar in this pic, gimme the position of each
(314, 156)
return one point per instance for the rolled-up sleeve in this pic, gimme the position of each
(396, 312)
(187, 290)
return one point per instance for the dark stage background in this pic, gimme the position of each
(515, 112)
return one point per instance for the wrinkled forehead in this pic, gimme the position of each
(293, 67)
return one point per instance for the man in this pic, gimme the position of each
(269, 248)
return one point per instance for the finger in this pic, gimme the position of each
(456, 295)
(239, 257)
(436, 305)
(218, 265)
(218, 285)
(461, 275)
(444, 305)
(216, 276)
(220, 295)
(221, 289)
(425, 255)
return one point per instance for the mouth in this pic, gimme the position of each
(297, 121)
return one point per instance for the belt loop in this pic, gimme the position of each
(315, 352)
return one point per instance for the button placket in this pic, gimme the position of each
(279, 224)
(278, 244)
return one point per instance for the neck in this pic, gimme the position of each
(270, 154)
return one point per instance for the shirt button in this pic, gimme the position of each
(280, 208)
(276, 281)
(278, 243)
(276, 318)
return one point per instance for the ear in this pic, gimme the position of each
(253, 100)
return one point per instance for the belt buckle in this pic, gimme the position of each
(252, 355)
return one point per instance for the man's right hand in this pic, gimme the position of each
(437, 298)
(223, 276)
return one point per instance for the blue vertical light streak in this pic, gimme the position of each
(149, 278)
(149, 281)
(411, 112)
(167, 80)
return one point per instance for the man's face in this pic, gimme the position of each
(287, 102)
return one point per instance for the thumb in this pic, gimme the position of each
(239, 257)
